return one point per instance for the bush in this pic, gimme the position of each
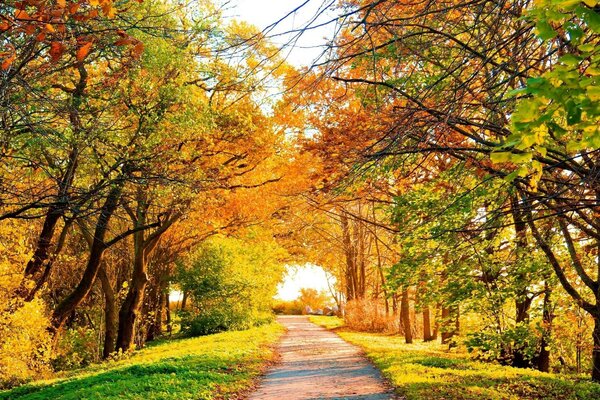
(76, 348)
(230, 284)
(25, 344)
(293, 307)
(501, 347)
(220, 319)
(369, 316)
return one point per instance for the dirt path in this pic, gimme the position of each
(318, 364)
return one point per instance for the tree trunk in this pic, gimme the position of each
(110, 314)
(55, 212)
(543, 362)
(522, 305)
(350, 254)
(155, 328)
(427, 335)
(405, 317)
(596, 350)
(68, 305)
(523, 299)
(184, 299)
(130, 309)
(168, 312)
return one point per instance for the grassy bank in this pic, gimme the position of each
(208, 367)
(426, 371)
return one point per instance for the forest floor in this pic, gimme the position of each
(422, 371)
(220, 366)
(317, 364)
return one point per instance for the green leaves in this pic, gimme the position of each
(544, 30)
(564, 101)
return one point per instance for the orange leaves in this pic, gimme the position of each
(45, 21)
(22, 15)
(126, 40)
(138, 49)
(83, 51)
(7, 62)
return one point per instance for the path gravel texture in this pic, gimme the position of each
(317, 364)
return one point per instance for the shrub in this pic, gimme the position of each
(220, 319)
(25, 344)
(230, 284)
(369, 316)
(76, 348)
(501, 346)
(293, 307)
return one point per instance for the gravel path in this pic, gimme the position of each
(317, 364)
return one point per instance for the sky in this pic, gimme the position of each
(302, 276)
(263, 13)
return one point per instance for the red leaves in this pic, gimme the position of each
(57, 49)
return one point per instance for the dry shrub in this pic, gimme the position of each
(288, 307)
(369, 316)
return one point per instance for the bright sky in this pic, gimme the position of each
(299, 277)
(263, 13)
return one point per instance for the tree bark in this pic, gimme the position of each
(110, 314)
(543, 362)
(427, 334)
(596, 350)
(130, 308)
(405, 317)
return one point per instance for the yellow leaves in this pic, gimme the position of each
(593, 93)
(500, 157)
(591, 3)
(61, 3)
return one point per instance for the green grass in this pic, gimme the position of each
(427, 371)
(208, 367)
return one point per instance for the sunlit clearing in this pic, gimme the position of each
(303, 276)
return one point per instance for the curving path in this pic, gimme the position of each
(317, 364)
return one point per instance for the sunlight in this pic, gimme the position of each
(303, 276)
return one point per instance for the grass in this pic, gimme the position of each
(210, 367)
(427, 371)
